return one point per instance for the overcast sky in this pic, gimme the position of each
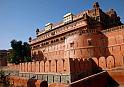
(20, 18)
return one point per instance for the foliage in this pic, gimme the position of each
(20, 52)
(27, 59)
(2, 74)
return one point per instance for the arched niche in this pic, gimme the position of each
(29, 66)
(47, 66)
(78, 64)
(33, 66)
(72, 65)
(60, 65)
(95, 65)
(110, 62)
(37, 66)
(53, 66)
(23, 67)
(102, 62)
(81, 65)
(118, 59)
(95, 61)
(41, 66)
(20, 67)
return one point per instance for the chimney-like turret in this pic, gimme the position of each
(37, 31)
(96, 5)
(30, 39)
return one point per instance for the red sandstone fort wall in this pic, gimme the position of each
(83, 45)
(116, 44)
(52, 66)
(106, 50)
(55, 51)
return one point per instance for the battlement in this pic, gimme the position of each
(45, 66)
(113, 29)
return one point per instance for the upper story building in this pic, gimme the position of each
(75, 33)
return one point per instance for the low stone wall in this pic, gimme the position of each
(96, 80)
(25, 82)
(10, 70)
(49, 77)
(110, 78)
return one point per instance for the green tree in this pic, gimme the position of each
(20, 52)
(26, 52)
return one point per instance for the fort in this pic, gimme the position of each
(77, 47)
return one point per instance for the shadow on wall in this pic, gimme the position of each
(88, 67)
(84, 67)
(111, 82)
(101, 79)
(81, 68)
(101, 44)
(38, 56)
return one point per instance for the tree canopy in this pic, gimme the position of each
(20, 52)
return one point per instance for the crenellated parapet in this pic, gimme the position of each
(46, 66)
(113, 29)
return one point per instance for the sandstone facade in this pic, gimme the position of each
(79, 46)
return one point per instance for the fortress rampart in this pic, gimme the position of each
(79, 46)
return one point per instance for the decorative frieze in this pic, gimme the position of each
(61, 30)
(113, 29)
